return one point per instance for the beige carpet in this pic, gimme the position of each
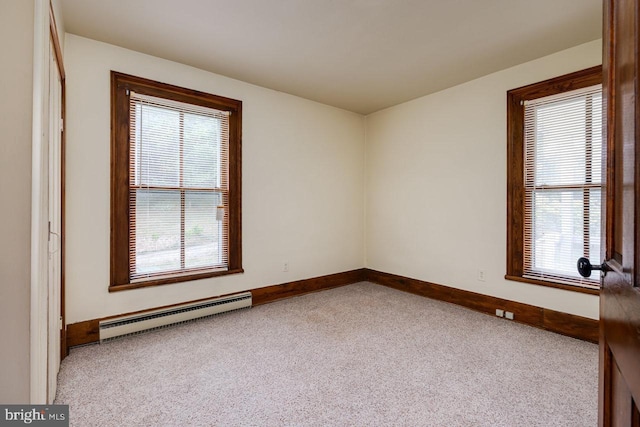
(360, 355)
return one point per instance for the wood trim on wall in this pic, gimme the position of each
(88, 332)
(583, 328)
(121, 84)
(516, 164)
(573, 288)
(562, 323)
(301, 287)
(81, 333)
(571, 325)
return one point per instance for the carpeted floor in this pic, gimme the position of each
(360, 355)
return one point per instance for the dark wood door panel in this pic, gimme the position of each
(622, 329)
(620, 296)
(621, 398)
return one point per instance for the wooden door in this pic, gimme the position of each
(620, 297)
(55, 223)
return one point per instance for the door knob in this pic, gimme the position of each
(585, 268)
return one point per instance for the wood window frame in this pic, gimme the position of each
(516, 162)
(121, 84)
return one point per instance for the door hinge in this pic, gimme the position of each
(60, 323)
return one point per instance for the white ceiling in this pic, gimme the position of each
(360, 55)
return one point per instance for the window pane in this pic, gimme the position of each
(597, 139)
(157, 231)
(595, 219)
(201, 151)
(560, 143)
(157, 146)
(557, 231)
(202, 230)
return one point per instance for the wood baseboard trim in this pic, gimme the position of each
(571, 325)
(82, 333)
(583, 328)
(88, 332)
(562, 323)
(301, 287)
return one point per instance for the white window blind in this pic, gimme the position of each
(178, 193)
(563, 184)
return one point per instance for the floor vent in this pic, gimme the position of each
(138, 323)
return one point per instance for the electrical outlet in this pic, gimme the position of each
(481, 275)
(508, 315)
(499, 313)
(285, 266)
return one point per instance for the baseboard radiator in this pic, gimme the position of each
(154, 319)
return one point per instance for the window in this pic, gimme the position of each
(175, 187)
(555, 180)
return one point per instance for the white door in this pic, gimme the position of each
(54, 264)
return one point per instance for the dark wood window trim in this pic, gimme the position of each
(515, 167)
(121, 84)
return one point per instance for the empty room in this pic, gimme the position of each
(319, 213)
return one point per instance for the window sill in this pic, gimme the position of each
(579, 289)
(170, 280)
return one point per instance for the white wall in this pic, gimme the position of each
(436, 185)
(16, 107)
(303, 175)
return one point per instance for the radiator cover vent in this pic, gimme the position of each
(155, 319)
